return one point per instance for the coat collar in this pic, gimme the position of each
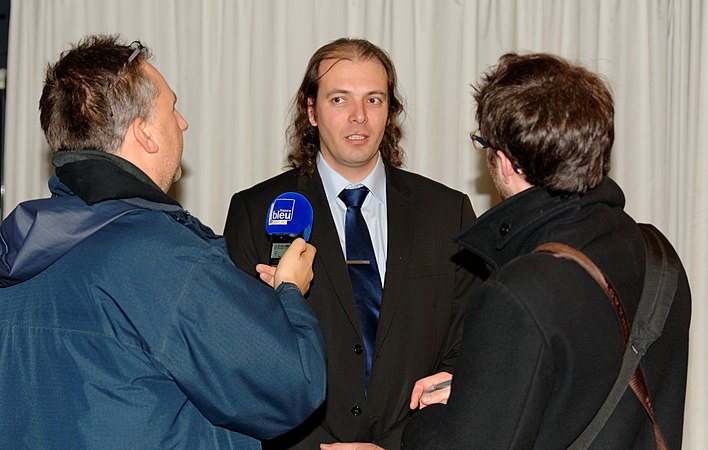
(519, 224)
(96, 176)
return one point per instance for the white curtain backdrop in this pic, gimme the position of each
(235, 65)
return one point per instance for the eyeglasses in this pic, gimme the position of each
(137, 48)
(481, 144)
(478, 141)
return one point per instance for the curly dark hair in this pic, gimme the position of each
(93, 93)
(304, 139)
(552, 119)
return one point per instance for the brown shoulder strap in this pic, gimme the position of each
(638, 381)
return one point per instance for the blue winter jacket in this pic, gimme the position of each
(124, 324)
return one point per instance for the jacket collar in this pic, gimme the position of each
(96, 176)
(519, 224)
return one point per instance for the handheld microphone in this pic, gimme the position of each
(289, 217)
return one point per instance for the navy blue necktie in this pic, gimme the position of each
(363, 271)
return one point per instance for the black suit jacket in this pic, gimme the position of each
(424, 298)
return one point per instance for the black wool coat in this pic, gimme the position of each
(542, 346)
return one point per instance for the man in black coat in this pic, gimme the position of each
(345, 134)
(542, 346)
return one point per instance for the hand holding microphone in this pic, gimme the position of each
(289, 217)
(289, 224)
(295, 266)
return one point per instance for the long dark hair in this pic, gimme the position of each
(304, 139)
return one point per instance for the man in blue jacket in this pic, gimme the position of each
(123, 322)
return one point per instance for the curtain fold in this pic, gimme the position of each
(236, 64)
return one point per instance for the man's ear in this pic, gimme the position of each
(142, 135)
(311, 114)
(507, 168)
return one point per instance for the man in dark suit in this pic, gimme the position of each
(345, 135)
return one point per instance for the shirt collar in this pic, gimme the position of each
(334, 183)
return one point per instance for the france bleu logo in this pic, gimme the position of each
(281, 211)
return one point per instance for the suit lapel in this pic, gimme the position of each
(400, 216)
(330, 266)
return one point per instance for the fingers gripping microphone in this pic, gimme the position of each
(289, 217)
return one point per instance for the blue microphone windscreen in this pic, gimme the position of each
(290, 213)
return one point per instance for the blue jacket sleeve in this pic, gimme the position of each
(249, 358)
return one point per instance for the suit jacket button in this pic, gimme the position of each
(358, 349)
(356, 411)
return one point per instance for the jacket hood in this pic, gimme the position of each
(39, 232)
